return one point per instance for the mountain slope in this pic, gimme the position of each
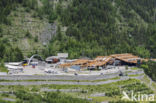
(25, 25)
(82, 27)
(101, 27)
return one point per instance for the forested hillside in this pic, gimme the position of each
(22, 24)
(102, 27)
(85, 27)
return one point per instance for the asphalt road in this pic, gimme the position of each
(64, 77)
(26, 83)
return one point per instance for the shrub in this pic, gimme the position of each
(52, 17)
(36, 39)
(35, 89)
(150, 70)
(27, 9)
(28, 34)
(2, 67)
(1, 30)
(5, 95)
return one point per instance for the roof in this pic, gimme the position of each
(153, 60)
(62, 55)
(103, 60)
(15, 63)
(146, 60)
(100, 61)
(127, 57)
(76, 62)
(80, 62)
(13, 67)
(51, 58)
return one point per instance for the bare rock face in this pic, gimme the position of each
(48, 33)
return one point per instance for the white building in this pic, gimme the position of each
(14, 67)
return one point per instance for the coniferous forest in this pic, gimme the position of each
(94, 27)
(103, 27)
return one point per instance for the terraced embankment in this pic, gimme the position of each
(68, 80)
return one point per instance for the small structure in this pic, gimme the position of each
(76, 67)
(14, 68)
(153, 60)
(15, 63)
(52, 59)
(61, 57)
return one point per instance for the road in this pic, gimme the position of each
(26, 83)
(65, 77)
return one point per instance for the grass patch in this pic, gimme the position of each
(146, 80)
(154, 85)
(100, 99)
(3, 69)
(135, 68)
(135, 75)
(106, 79)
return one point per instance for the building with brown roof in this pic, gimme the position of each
(80, 62)
(127, 58)
(103, 61)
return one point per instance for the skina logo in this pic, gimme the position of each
(137, 97)
(125, 97)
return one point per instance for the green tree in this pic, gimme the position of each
(142, 51)
(28, 34)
